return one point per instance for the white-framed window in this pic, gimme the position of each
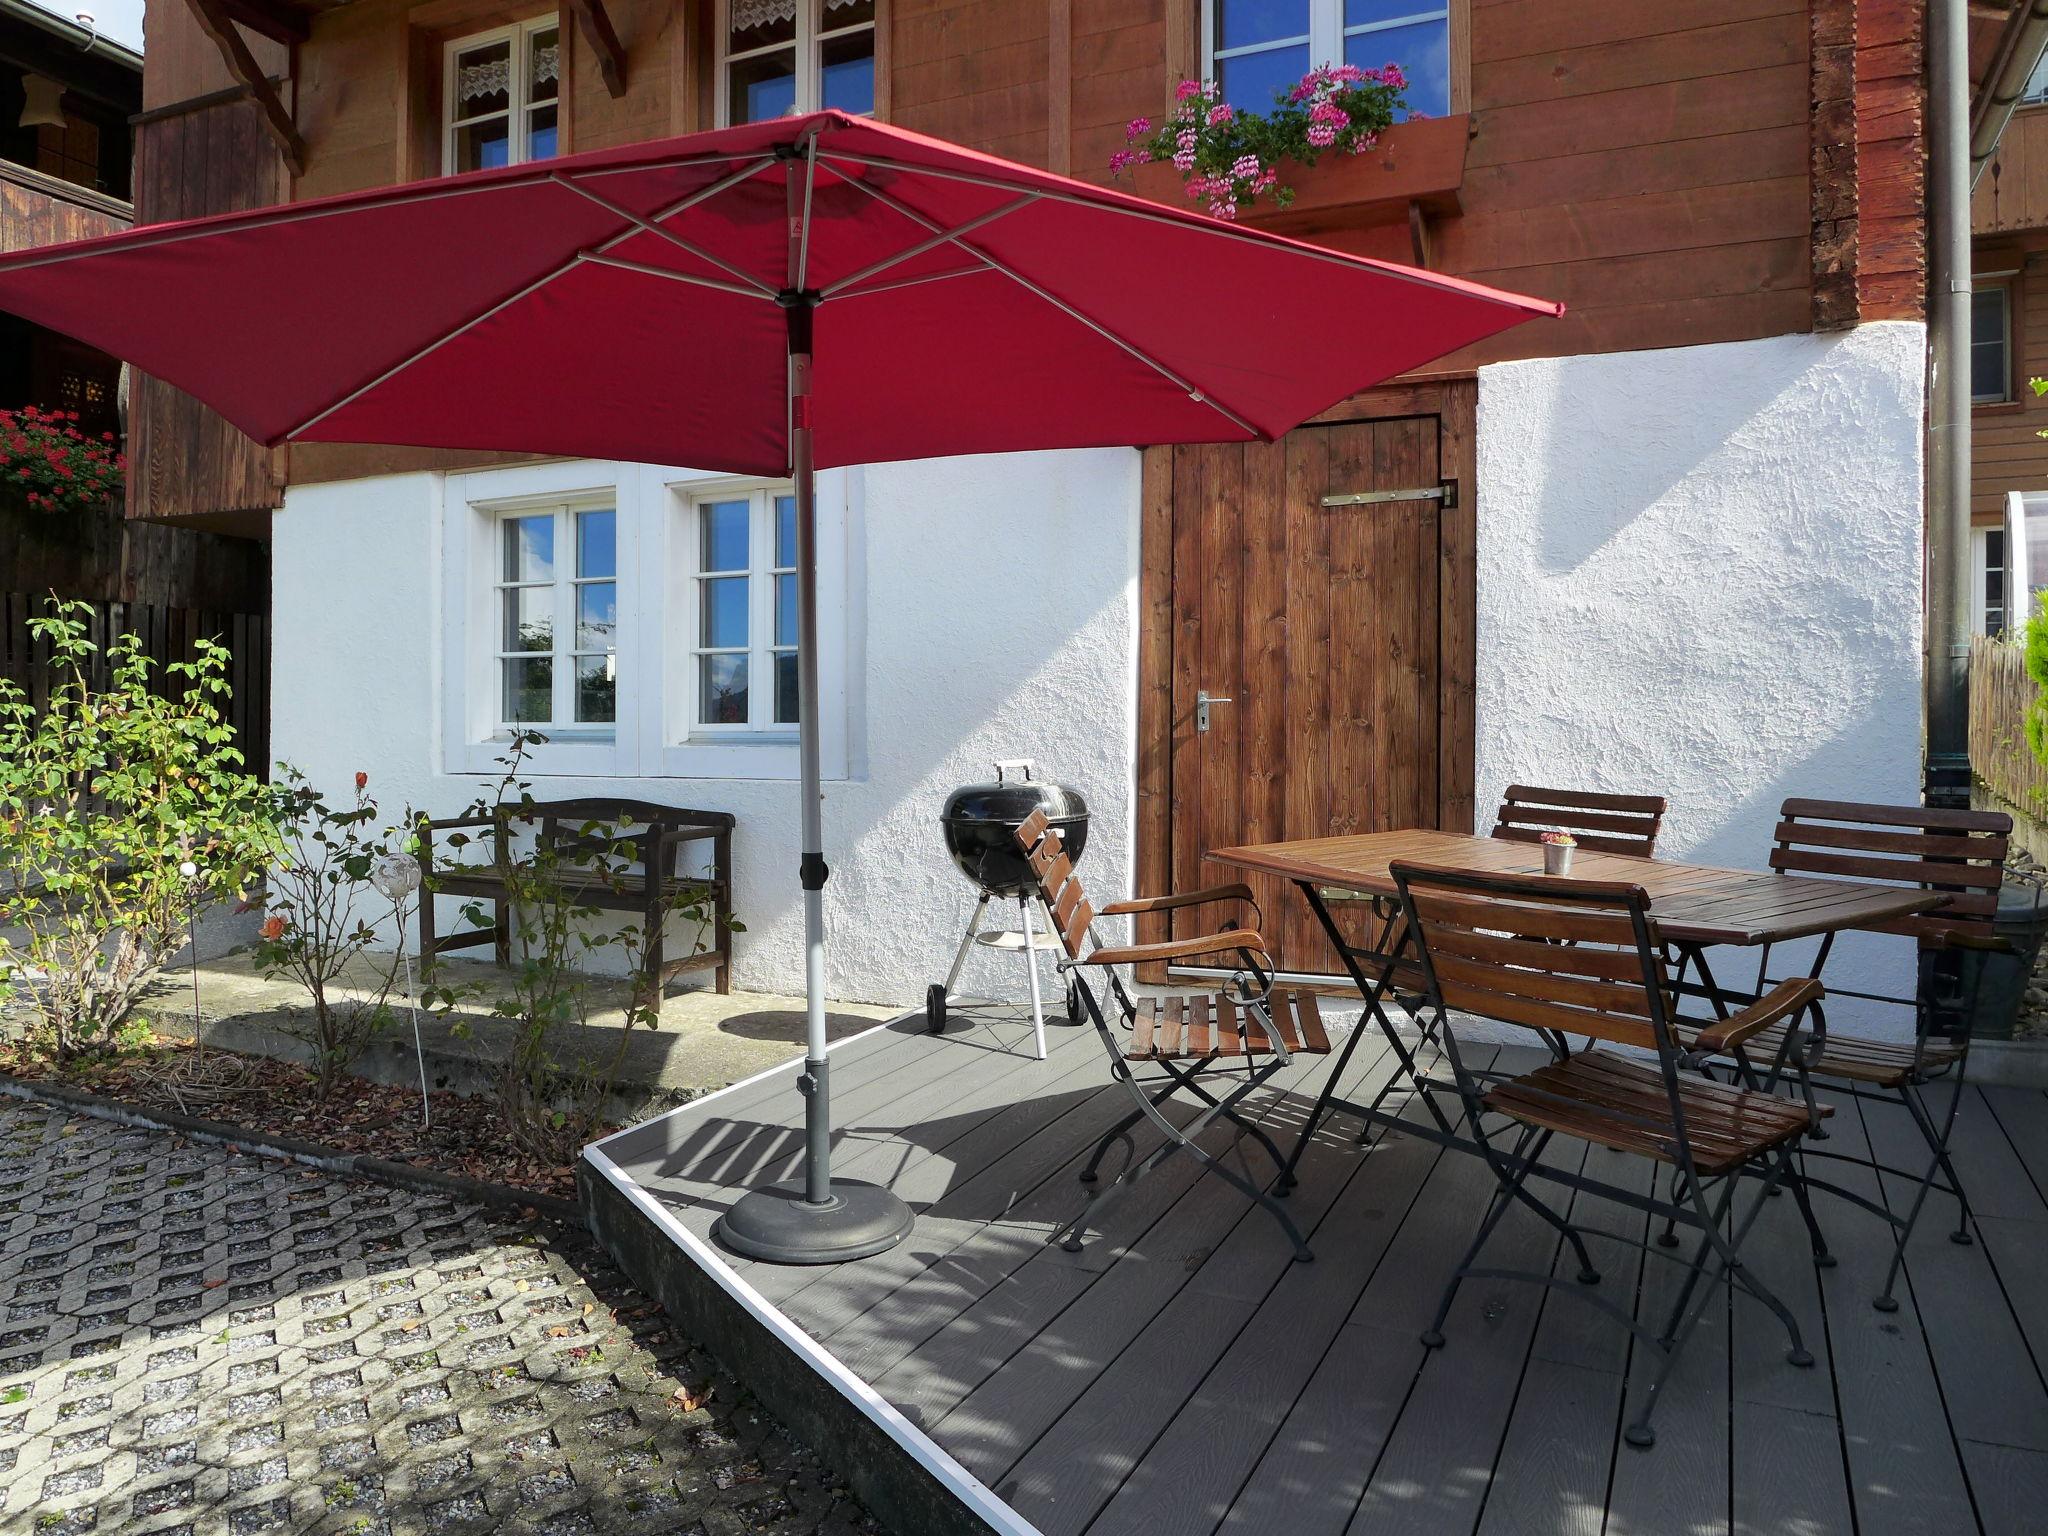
(745, 671)
(1255, 48)
(781, 56)
(1989, 585)
(642, 619)
(500, 93)
(1990, 344)
(557, 598)
(2037, 85)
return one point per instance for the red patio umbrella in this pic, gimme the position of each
(769, 299)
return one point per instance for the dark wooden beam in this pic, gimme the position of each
(278, 20)
(597, 31)
(213, 20)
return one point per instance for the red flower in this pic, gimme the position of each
(273, 928)
(362, 779)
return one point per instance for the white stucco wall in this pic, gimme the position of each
(992, 607)
(1699, 574)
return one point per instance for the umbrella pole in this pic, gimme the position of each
(815, 1220)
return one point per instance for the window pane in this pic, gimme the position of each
(846, 72)
(846, 13)
(1251, 81)
(785, 532)
(530, 548)
(1239, 22)
(722, 690)
(756, 25)
(597, 689)
(544, 65)
(529, 619)
(725, 536)
(725, 611)
(542, 141)
(483, 80)
(597, 616)
(762, 88)
(785, 610)
(480, 146)
(1988, 370)
(596, 544)
(786, 710)
(529, 689)
(1424, 53)
(1360, 12)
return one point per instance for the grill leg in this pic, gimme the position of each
(966, 943)
(1031, 964)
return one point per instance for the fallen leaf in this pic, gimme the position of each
(214, 1285)
(690, 1400)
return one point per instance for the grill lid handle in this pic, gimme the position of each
(1021, 764)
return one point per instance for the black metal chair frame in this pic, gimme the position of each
(1935, 1129)
(1150, 1091)
(1700, 1202)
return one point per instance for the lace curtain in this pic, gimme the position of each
(493, 77)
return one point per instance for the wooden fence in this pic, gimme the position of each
(168, 634)
(2000, 692)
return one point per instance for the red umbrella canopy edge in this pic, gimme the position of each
(629, 304)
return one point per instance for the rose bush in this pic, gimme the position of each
(52, 465)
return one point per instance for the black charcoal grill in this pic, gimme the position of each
(980, 823)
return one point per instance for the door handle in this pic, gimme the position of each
(1203, 699)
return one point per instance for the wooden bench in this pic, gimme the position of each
(652, 885)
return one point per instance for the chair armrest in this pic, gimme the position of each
(1177, 899)
(1174, 949)
(449, 823)
(1782, 1002)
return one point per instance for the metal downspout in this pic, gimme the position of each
(1948, 403)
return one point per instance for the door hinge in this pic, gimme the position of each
(1446, 494)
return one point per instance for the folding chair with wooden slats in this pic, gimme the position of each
(1580, 960)
(1960, 853)
(1231, 1042)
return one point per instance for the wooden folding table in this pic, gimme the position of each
(1696, 907)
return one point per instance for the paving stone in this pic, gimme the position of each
(201, 1343)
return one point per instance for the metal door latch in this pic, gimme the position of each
(1203, 700)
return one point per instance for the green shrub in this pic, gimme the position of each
(122, 808)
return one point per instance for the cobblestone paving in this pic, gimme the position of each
(201, 1342)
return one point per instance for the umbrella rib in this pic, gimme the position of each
(624, 264)
(667, 234)
(1182, 221)
(1201, 396)
(435, 345)
(981, 270)
(268, 218)
(833, 289)
(543, 280)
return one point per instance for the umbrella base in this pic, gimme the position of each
(779, 1226)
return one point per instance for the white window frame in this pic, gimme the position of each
(2037, 85)
(1980, 574)
(2004, 291)
(518, 109)
(653, 735)
(563, 586)
(760, 649)
(810, 39)
(1326, 37)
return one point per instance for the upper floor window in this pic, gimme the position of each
(1991, 344)
(502, 91)
(1256, 48)
(781, 56)
(2037, 85)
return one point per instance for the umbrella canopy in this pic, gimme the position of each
(621, 304)
(769, 299)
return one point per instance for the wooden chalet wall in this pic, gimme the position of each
(1674, 173)
(2009, 219)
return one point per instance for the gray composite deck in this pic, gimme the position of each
(1182, 1376)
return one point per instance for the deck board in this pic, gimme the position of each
(1183, 1374)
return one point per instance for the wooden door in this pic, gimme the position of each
(1326, 625)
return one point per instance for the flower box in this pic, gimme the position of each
(1421, 161)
